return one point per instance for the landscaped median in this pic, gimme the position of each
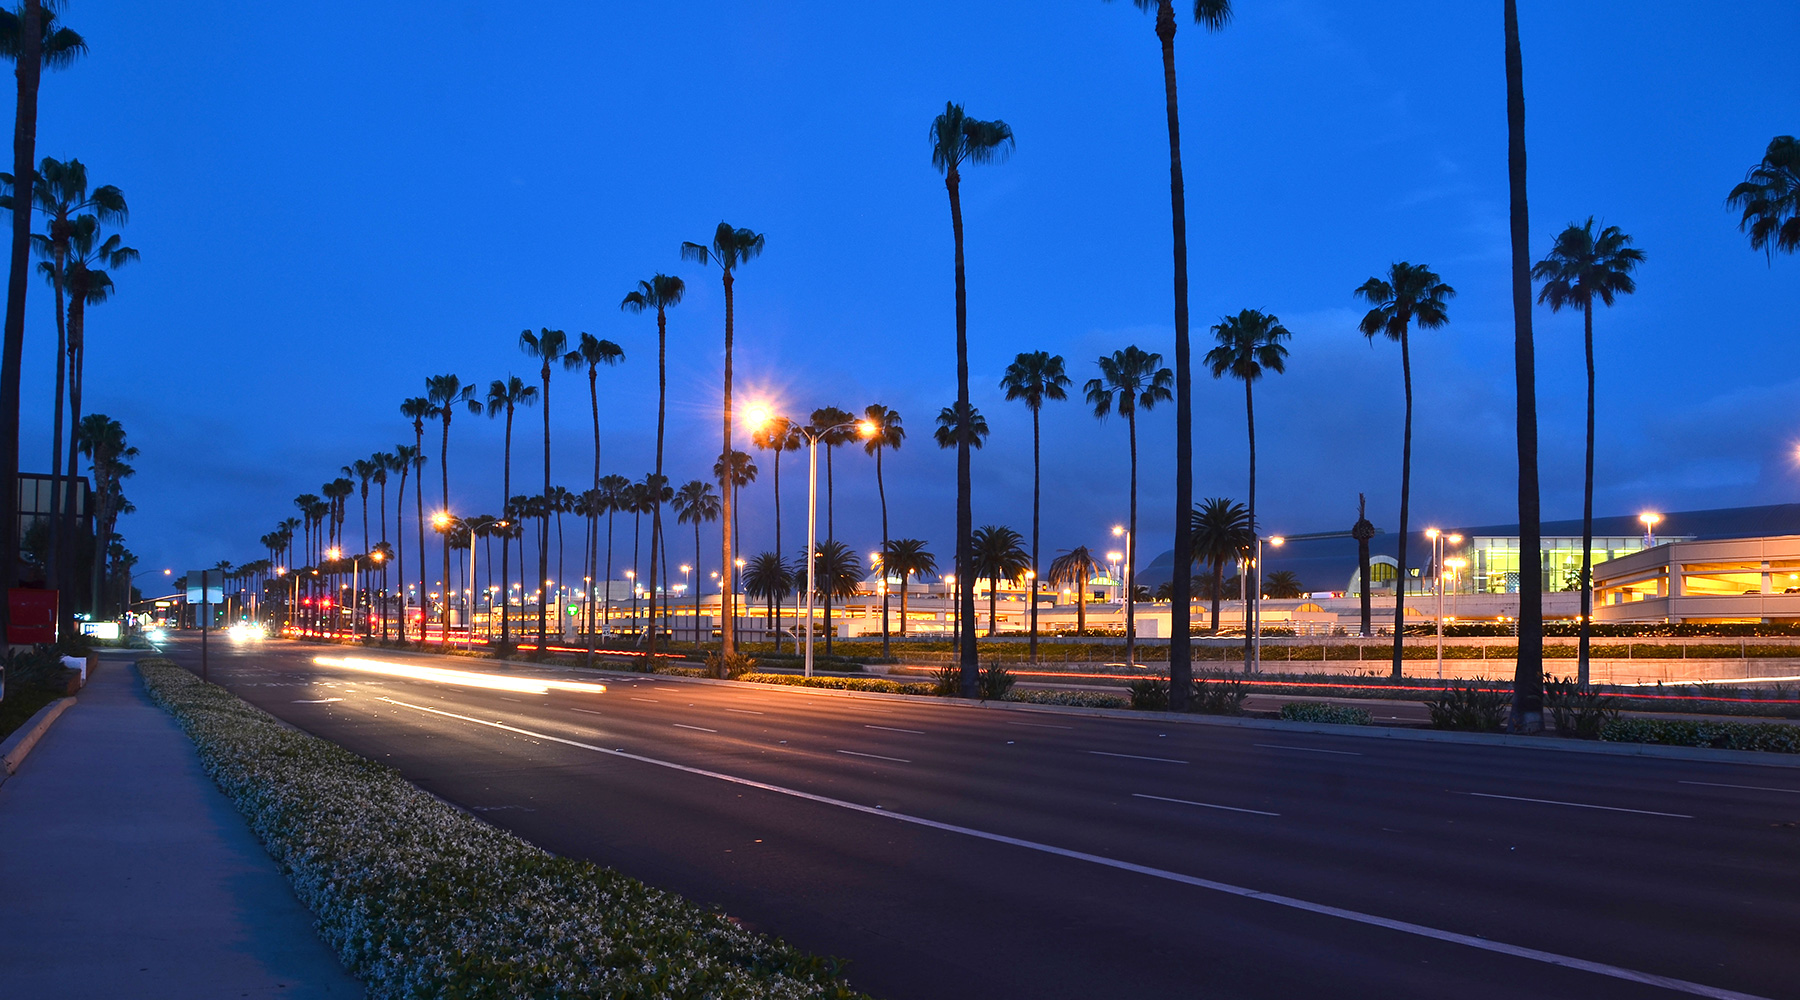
(420, 900)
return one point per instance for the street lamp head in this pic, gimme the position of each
(1114, 556)
(1431, 533)
(377, 556)
(1118, 530)
(685, 568)
(440, 520)
(334, 553)
(757, 416)
(1277, 541)
(1453, 539)
(1650, 520)
(866, 428)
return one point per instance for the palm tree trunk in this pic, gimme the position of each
(1218, 589)
(1587, 506)
(662, 399)
(1405, 496)
(52, 555)
(1528, 675)
(1036, 494)
(903, 578)
(419, 520)
(506, 537)
(697, 582)
(444, 470)
(1081, 604)
(993, 599)
(1131, 549)
(29, 62)
(881, 490)
(727, 592)
(1362, 564)
(544, 527)
(1181, 653)
(77, 357)
(1255, 531)
(606, 615)
(593, 555)
(965, 518)
(637, 537)
(779, 444)
(830, 537)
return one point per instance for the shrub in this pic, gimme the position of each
(946, 681)
(1150, 693)
(875, 684)
(1078, 699)
(420, 900)
(729, 667)
(1578, 713)
(1773, 737)
(1217, 696)
(994, 682)
(1319, 711)
(1472, 707)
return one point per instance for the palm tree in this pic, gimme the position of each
(1037, 377)
(364, 471)
(1075, 568)
(384, 463)
(767, 577)
(503, 399)
(659, 293)
(32, 40)
(742, 473)
(1579, 268)
(999, 554)
(955, 139)
(559, 501)
(1282, 585)
(1221, 533)
(909, 558)
(102, 440)
(447, 394)
(885, 432)
(730, 249)
(1129, 380)
(948, 425)
(636, 501)
(838, 572)
(778, 434)
(1212, 15)
(1249, 345)
(1411, 293)
(548, 347)
(590, 505)
(615, 493)
(594, 352)
(693, 503)
(1528, 670)
(1770, 198)
(1363, 531)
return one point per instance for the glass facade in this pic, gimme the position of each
(1493, 562)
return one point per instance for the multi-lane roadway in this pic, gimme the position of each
(950, 851)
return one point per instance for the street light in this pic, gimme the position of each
(1438, 541)
(759, 415)
(1650, 522)
(1256, 644)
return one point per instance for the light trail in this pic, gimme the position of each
(460, 678)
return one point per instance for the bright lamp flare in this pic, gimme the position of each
(461, 678)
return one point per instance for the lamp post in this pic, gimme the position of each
(759, 415)
(1256, 643)
(1650, 521)
(1438, 541)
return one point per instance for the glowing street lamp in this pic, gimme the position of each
(1438, 541)
(1650, 521)
(1256, 644)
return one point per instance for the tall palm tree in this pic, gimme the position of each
(548, 347)
(1249, 345)
(559, 500)
(768, 577)
(590, 506)
(1220, 530)
(1528, 670)
(102, 440)
(1411, 293)
(1075, 568)
(1130, 380)
(999, 554)
(1769, 197)
(384, 463)
(1282, 585)
(837, 574)
(87, 279)
(616, 496)
(730, 249)
(693, 503)
(417, 409)
(660, 293)
(32, 40)
(778, 434)
(364, 471)
(907, 557)
(957, 139)
(1038, 377)
(1581, 267)
(61, 196)
(1363, 531)
(447, 394)
(504, 397)
(1212, 15)
(594, 352)
(886, 432)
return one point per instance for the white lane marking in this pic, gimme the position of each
(516, 701)
(1039, 725)
(1579, 805)
(586, 711)
(1712, 784)
(634, 697)
(1278, 746)
(745, 711)
(1354, 916)
(891, 729)
(1133, 756)
(703, 729)
(1203, 805)
(897, 760)
(321, 701)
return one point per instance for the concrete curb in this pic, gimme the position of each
(1554, 743)
(19, 744)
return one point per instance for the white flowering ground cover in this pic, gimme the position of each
(422, 901)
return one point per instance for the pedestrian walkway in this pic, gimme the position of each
(125, 872)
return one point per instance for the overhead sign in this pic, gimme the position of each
(215, 586)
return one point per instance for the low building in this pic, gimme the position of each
(1711, 580)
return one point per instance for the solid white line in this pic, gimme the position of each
(703, 729)
(636, 698)
(586, 711)
(891, 729)
(1580, 805)
(1203, 805)
(1758, 788)
(1277, 746)
(1133, 756)
(1404, 927)
(897, 760)
(1039, 725)
(745, 711)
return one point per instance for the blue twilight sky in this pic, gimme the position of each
(331, 209)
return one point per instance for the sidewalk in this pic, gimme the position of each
(125, 872)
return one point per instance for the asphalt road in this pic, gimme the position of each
(958, 852)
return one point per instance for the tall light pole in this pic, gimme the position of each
(759, 415)
(1650, 521)
(1256, 643)
(1438, 541)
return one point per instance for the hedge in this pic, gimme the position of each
(875, 684)
(1319, 711)
(422, 902)
(1772, 737)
